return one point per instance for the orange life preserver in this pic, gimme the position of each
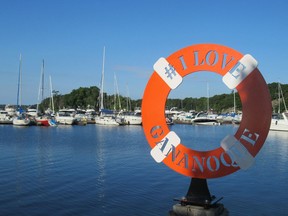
(235, 151)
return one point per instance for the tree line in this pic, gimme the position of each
(88, 97)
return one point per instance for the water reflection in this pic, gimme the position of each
(277, 142)
(95, 170)
(99, 140)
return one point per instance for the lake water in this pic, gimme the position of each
(98, 170)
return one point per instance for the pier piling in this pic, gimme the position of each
(198, 202)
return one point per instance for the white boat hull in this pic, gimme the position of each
(5, 118)
(279, 125)
(106, 120)
(280, 122)
(129, 118)
(21, 122)
(204, 119)
(6, 121)
(66, 120)
(132, 120)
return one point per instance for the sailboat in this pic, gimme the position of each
(43, 120)
(128, 117)
(207, 118)
(21, 119)
(232, 117)
(237, 118)
(106, 117)
(279, 121)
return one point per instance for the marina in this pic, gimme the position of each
(156, 108)
(103, 170)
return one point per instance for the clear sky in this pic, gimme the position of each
(70, 35)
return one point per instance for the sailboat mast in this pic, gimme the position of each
(234, 101)
(280, 94)
(128, 99)
(102, 82)
(208, 97)
(41, 86)
(117, 96)
(115, 93)
(19, 99)
(51, 93)
(279, 98)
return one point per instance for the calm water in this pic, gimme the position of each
(98, 170)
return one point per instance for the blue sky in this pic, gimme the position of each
(70, 35)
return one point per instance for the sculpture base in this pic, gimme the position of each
(194, 210)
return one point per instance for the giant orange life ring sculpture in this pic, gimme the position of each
(235, 151)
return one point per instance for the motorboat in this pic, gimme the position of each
(10, 110)
(279, 122)
(32, 112)
(184, 117)
(129, 118)
(5, 118)
(205, 119)
(66, 117)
